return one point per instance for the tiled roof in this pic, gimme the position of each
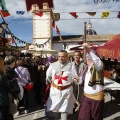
(77, 38)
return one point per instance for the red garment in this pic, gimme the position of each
(39, 3)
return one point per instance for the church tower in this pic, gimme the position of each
(42, 25)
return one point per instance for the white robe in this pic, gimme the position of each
(61, 100)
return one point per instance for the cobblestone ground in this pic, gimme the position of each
(112, 112)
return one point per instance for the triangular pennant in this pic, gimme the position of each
(4, 13)
(27, 46)
(61, 37)
(91, 13)
(13, 41)
(57, 30)
(53, 24)
(73, 14)
(39, 13)
(105, 14)
(118, 14)
(20, 12)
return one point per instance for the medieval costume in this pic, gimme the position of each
(93, 100)
(61, 98)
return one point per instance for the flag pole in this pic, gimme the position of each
(84, 41)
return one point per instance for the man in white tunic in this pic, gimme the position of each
(61, 98)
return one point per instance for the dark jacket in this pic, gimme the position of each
(11, 78)
(4, 89)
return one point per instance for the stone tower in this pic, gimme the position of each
(42, 26)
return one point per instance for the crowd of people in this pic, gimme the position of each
(63, 87)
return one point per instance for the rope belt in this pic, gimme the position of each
(96, 96)
(61, 87)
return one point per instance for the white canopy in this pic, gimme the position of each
(42, 51)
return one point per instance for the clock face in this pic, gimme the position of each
(42, 26)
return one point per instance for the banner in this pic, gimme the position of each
(105, 14)
(55, 16)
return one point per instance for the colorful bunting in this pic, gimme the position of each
(61, 37)
(20, 12)
(118, 14)
(55, 16)
(91, 13)
(27, 46)
(57, 30)
(39, 13)
(13, 40)
(4, 13)
(105, 14)
(53, 24)
(73, 14)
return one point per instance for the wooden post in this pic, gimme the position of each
(85, 40)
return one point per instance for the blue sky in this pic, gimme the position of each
(21, 25)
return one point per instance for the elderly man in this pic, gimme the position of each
(61, 99)
(93, 101)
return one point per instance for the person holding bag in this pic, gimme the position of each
(12, 78)
(4, 89)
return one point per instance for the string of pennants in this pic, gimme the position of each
(26, 43)
(56, 16)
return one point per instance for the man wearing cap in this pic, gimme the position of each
(93, 101)
(61, 99)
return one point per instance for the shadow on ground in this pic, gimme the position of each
(112, 108)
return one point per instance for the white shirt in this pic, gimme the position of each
(99, 66)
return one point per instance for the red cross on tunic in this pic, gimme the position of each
(60, 78)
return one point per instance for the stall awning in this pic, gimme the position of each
(110, 49)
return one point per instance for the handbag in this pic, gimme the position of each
(29, 86)
(13, 104)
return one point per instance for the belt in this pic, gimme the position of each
(61, 87)
(96, 96)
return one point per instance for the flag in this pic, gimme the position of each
(55, 16)
(3, 5)
(118, 14)
(4, 13)
(53, 24)
(61, 37)
(39, 13)
(91, 13)
(13, 41)
(105, 14)
(20, 12)
(57, 30)
(27, 46)
(73, 14)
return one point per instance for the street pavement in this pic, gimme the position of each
(112, 112)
